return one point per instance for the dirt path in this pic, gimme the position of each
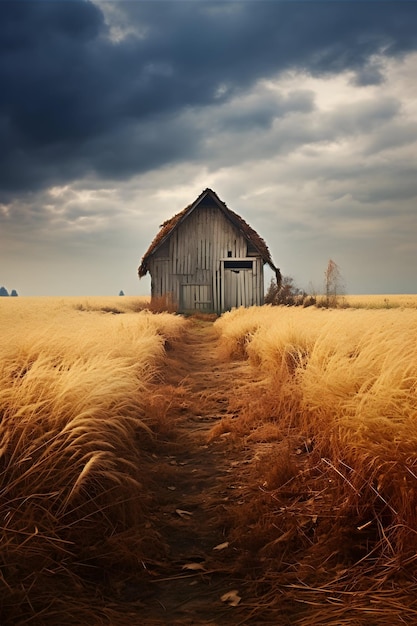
(239, 514)
(195, 480)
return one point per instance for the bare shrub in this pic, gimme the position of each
(163, 304)
(333, 285)
(286, 293)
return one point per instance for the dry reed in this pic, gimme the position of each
(382, 301)
(339, 388)
(74, 485)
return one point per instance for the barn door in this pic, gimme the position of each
(237, 283)
(196, 298)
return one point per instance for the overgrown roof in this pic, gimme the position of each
(170, 225)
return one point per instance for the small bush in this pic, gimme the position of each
(286, 294)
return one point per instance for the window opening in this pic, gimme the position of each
(238, 265)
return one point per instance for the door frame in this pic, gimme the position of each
(236, 264)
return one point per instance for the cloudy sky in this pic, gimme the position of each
(302, 116)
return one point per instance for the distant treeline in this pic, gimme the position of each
(4, 292)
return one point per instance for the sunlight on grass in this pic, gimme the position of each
(390, 301)
(74, 489)
(334, 399)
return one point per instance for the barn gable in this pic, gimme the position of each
(207, 258)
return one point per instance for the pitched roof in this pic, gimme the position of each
(206, 196)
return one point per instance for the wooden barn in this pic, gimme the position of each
(208, 259)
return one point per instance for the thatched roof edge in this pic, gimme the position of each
(170, 225)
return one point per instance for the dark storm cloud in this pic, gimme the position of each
(259, 112)
(75, 100)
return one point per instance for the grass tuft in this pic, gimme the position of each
(331, 508)
(75, 429)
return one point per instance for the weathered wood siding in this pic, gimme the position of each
(189, 267)
(242, 286)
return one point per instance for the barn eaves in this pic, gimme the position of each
(207, 196)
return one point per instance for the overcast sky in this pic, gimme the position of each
(301, 116)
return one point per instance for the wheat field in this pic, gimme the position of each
(76, 424)
(332, 503)
(382, 301)
(327, 514)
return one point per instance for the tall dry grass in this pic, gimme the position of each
(75, 492)
(334, 400)
(381, 301)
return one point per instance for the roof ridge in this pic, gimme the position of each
(169, 225)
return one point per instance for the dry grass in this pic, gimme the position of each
(324, 523)
(163, 304)
(75, 426)
(103, 304)
(331, 510)
(390, 301)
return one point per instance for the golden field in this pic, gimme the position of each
(390, 301)
(76, 424)
(332, 504)
(322, 427)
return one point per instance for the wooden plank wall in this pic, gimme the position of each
(192, 257)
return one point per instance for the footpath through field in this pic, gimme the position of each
(255, 528)
(196, 478)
